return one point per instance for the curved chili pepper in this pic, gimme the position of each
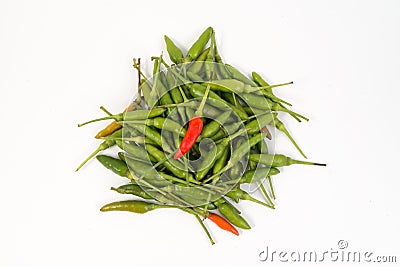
(222, 223)
(192, 133)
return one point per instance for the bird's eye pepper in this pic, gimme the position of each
(198, 46)
(175, 54)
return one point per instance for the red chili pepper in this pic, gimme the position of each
(222, 223)
(192, 133)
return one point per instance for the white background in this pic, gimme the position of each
(61, 60)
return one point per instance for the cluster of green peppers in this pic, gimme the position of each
(231, 150)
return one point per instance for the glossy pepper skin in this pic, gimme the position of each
(192, 133)
(132, 189)
(252, 176)
(198, 46)
(115, 165)
(175, 54)
(135, 206)
(222, 223)
(232, 215)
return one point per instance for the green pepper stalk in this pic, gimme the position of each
(109, 142)
(281, 127)
(279, 160)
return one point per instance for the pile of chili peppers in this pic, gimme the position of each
(197, 133)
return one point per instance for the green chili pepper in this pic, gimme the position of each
(221, 161)
(152, 135)
(134, 150)
(132, 189)
(224, 73)
(199, 45)
(175, 93)
(135, 206)
(197, 90)
(279, 160)
(232, 99)
(251, 164)
(252, 176)
(239, 193)
(235, 172)
(239, 76)
(145, 87)
(209, 64)
(259, 122)
(162, 124)
(194, 77)
(198, 193)
(232, 216)
(155, 91)
(263, 147)
(165, 98)
(145, 171)
(175, 54)
(196, 203)
(237, 154)
(214, 126)
(131, 115)
(261, 82)
(198, 64)
(238, 87)
(260, 102)
(115, 165)
(168, 125)
(251, 111)
(207, 165)
(142, 168)
(223, 200)
(258, 79)
(121, 156)
(244, 148)
(219, 135)
(176, 168)
(231, 85)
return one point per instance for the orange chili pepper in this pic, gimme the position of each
(112, 127)
(222, 223)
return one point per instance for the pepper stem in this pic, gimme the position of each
(280, 126)
(252, 199)
(139, 93)
(273, 86)
(276, 99)
(205, 229)
(294, 161)
(137, 67)
(271, 187)
(199, 111)
(96, 120)
(106, 111)
(266, 195)
(294, 114)
(90, 157)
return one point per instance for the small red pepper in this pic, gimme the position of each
(222, 223)
(194, 129)
(192, 133)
